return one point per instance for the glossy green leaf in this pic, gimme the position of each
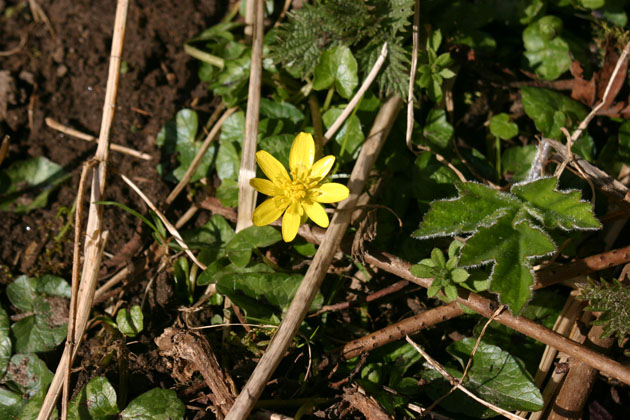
(497, 377)
(437, 130)
(95, 401)
(551, 110)
(516, 161)
(130, 322)
(45, 301)
(239, 249)
(231, 83)
(233, 129)
(349, 138)
(25, 185)
(547, 52)
(227, 192)
(502, 127)
(279, 145)
(5, 341)
(337, 66)
(228, 161)
(27, 374)
(280, 110)
(156, 404)
(11, 403)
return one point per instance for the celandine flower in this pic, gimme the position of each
(299, 194)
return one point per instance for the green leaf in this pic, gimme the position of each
(227, 193)
(178, 136)
(437, 130)
(5, 342)
(239, 249)
(46, 298)
(497, 377)
(95, 401)
(279, 145)
(547, 52)
(261, 292)
(156, 404)
(509, 245)
(282, 110)
(233, 129)
(337, 66)
(31, 181)
(553, 208)
(477, 206)
(231, 83)
(27, 374)
(228, 161)
(516, 161)
(502, 127)
(11, 403)
(130, 322)
(348, 139)
(551, 110)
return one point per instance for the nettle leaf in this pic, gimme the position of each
(510, 247)
(337, 66)
(240, 248)
(95, 401)
(507, 230)
(156, 404)
(44, 300)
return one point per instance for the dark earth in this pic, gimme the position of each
(58, 69)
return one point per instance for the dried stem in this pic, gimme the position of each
(246, 193)
(412, 74)
(95, 238)
(55, 125)
(319, 266)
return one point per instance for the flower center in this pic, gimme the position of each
(297, 190)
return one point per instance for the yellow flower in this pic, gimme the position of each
(300, 194)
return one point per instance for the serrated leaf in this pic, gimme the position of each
(510, 247)
(497, 377)
(239, 249)
(25, 185)
(337, 66)
(476, 206)
(502, 127)
(130, 322)
(95, 401)
(563, 209)
(156, 404)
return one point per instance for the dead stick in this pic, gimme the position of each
(246, 193)
(318, 268)
(400, 329)
(95, 237)
(486, 307)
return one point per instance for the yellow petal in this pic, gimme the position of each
(291, 222)
(265, 186)
(316, 212)
(302, 152)
(321, 168)
(330, 192)
(274, 170)
(269, 211)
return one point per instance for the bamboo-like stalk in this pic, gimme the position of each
(319, 266)
(94, 237)
(246, 193)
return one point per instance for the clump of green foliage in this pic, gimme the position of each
(362, 25)
(613, 301)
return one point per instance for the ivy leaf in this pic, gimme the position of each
(553, 208)
(545, 49)
(510, 247)
(337, 66)
(156, 404)
(239, 249)
(551, 110)
(502, 127)
(95, 401)
(130, 322)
